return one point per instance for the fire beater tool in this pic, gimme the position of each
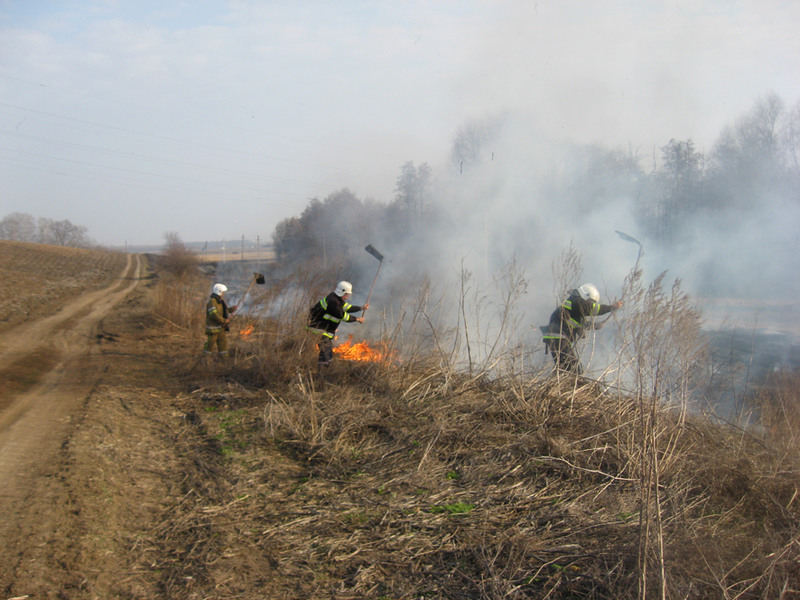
(631, 239)
(257, 278)
(374, 252)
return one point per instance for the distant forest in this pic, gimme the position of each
(753, 164)
(22, 227)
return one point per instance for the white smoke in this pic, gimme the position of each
(524, 198)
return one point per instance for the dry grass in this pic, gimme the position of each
(418, 479)
(43, 278)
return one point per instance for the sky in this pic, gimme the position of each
(217, 120)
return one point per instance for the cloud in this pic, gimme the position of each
(251, 108)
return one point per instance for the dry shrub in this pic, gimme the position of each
(555, 474)
(478, 332)
(180, 301)
(423, 479)
(176, 259)
(778, 403)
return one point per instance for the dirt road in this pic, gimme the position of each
(111, 484)
(49, 368)
(59, 350)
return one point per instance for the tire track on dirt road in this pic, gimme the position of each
(54, 354)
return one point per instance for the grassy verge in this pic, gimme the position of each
(411, 479)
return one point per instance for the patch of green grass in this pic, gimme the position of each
(230, 432)
(627, 516)
(299, 486)
(456, 508)
(356, 518)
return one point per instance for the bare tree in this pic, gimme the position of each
(469, 142)
(791, 141)
(63, 233)
(18, 227)
(748, 157)
(758, 131)
(287, 237)
(176, 258)
(23, 227)
(411, 192)
(681, 187)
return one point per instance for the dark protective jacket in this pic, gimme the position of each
(216, 313)
(325, 316)
(569, 321)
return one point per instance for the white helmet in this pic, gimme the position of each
(219, 289)
(589, 291)
(342, 288)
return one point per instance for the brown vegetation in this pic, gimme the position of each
(252, 477)
(409, 479)
(39, 278)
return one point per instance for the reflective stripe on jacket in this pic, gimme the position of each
(568, 321)
(325, 315)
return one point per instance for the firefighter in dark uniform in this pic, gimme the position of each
(569, 323)
(325, 316)
(218, 315)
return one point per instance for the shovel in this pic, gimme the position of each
(257, 278)
(633, 240)
(374, 252)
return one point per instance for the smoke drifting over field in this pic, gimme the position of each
(523, 199)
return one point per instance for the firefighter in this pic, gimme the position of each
(325, 316)
(218, 315)
(569, 323)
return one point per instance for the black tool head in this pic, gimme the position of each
(372, 250)
(628, 238)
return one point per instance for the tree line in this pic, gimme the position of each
(753, 162)
(22, 227)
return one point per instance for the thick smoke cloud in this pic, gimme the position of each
(511, 194)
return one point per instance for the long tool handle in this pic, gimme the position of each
(247, 291)
(374, 279)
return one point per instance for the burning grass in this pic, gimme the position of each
(364, 352)
(410, 480)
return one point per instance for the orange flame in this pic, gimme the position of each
(361, 352)
(246, 331)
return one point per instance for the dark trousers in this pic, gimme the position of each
(565, 356)
(325, 345)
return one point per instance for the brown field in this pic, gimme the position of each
(131, 466)
(248, 255)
